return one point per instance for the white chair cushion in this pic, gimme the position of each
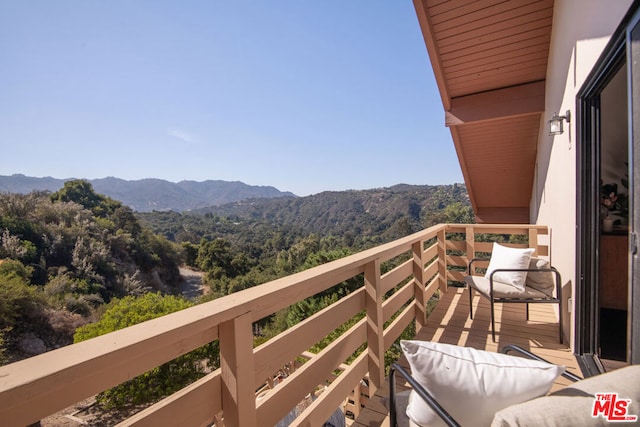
(509, 258)
(502, 290)
(472, 385)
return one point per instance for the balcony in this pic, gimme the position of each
(398, 279)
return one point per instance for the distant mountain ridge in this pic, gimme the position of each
(369, 212)
(151, 194)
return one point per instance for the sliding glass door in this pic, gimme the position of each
(608, 267)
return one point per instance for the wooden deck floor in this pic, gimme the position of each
(450, 323)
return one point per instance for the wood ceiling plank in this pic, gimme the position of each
(469, 11)
(500, 31)
(437, 7)
(497, 158)
(504, 165)
(466, 49)
(518, 215)
(521, 45)
(500, 71)
(499, 161)
(434, 3)
(503, 33)
(505, 19)
(507, 65)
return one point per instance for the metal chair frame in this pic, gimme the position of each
(549, 300)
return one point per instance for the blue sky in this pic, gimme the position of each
(304, 96)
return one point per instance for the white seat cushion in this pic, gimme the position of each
(502, 290)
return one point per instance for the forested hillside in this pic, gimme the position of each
(359, 218)
(65, 254)
(247, 243)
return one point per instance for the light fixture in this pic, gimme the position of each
(555, 124)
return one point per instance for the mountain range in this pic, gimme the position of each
(152, 194)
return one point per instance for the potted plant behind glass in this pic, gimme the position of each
(615, 205)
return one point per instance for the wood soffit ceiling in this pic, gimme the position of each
(489, 58)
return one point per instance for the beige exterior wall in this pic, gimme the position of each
(581, 29)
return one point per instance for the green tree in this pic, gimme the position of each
(219, 260)
(190, 252)
(81, 192)
(18, 299)
(459, 214)
(162, 380)
(3, 350)
(214, 256)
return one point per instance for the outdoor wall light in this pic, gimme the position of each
(555, 124)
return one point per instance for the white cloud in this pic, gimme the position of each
(182, 135)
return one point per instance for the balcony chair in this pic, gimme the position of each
(513, 276)
(509, 394)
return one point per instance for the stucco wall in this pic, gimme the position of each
(581, 29)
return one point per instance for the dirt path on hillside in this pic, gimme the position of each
(192, 286)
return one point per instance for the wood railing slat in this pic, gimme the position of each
(285, 347)
(392, 278)
(398, 325)
(456, 276)
(195, 405)
(455, 245)
(333, 395)
(431, 252)
(397, 300)
(431, 270)
(432, 287)
(457, 260)
(279, 401)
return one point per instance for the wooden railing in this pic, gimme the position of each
(425, 262)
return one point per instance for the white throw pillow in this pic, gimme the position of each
(472, 385)
(510, 258)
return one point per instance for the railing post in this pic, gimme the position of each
(237, 366)
(375, 324)
(470, 237)
(533, 240)
(442, 259)
(419, 285)
(357, 400)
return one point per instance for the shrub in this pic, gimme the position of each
(18, 299)
(162, 380)
(3, 356)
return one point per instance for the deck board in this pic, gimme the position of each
(450, 323)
